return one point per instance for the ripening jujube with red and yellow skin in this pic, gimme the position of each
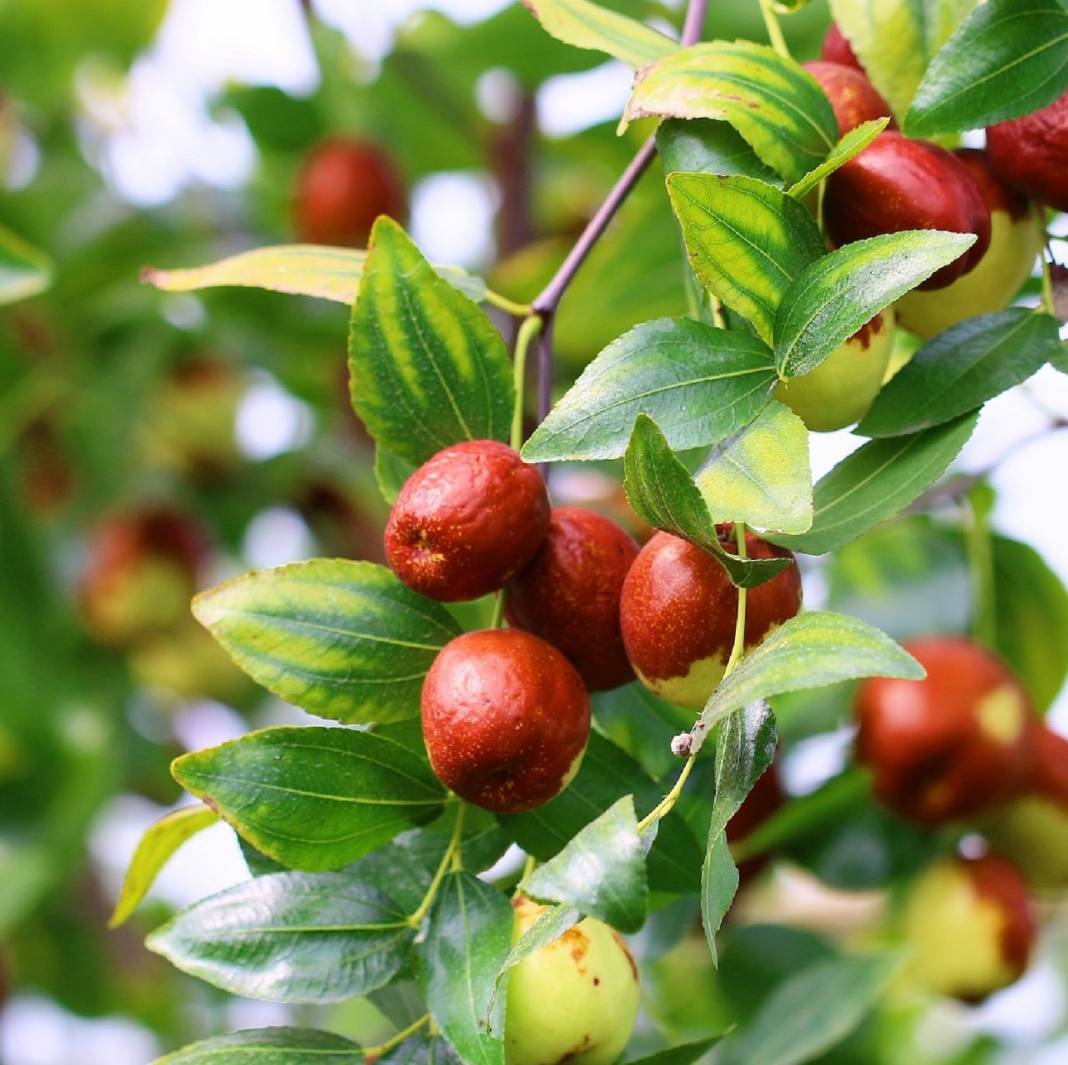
(971, 927)
(1030, 153)
(837, 49)
(953, 745)
(678, 613)
(569, 594)
(898, 183)
(505, 718)
(853, 98)
(342, 187)
(466, 521)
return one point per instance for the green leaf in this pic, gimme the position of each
(853, 143)
(1031, 619)
(699, 383)
(960, 369)
(1008, 58)
(24, 271)
(298, 269)
(775, 105)
(268, 1046)
(313, 798)
(747, 241)
(896, 40)
(876, 482)
(390, 473)
(157, 845)
(703, 146)
(762, 475)
(810, 1012)
(811, 650)
(588, 25)
(428, 368)
(290, 937)
(607, 774)
(844, 290)
(344, 640)
(686, 1054)
(422, 1048)
(745, 746)
(601, 872)
(661, 490)
(469, 937)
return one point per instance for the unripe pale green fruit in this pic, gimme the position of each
(574, 1000)
(842, 388)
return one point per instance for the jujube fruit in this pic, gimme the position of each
(678, 613)
(971, 927)
(569, 594)
(837, 49)
(853, 98)
(1031, 153)
(952, 745)
(505, 719)
(897, 184)
(342, 187)
(574, 1000)
(467, 520)
(843, 387)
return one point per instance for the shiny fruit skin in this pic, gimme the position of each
(574, 1000)
(950, 746)
(569, 594)
(342, 187)
(854, 99)
(678, 612)
(1031, 153)
(1016, 238)
(837, 49)
(505, 719)
(897, 183)
(971, 927)
(466, 521)
(843, 387)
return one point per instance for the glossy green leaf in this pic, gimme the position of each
(608, 774)
(811, 650)
(290, 937)
(24, 271)
(341, 639)
(844, 290)
(428, 368)
(422, 1048)
(314, 798)
(1008, 58)
(391, 472)
(705, 146)
(467, 941)
(811, 1011)
(853, 143)
(961, 369)
(775, 105)
(298, 269)
(877, 481)
(762, 476)
(896, 40)
(601, 872)
(662, 491)
(745, 746)
(686, 1054)
(699, 383)
(588, 25)
(268, 1046)
(747, 241)
(157, 845)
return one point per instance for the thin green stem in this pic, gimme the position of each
(981, 567)
(527, 332)
(448, 860)
(667, 803)
(1047, 282)
(718, 320)
(396, 1040)
(517, 310)
(497, 621)
(771, 21)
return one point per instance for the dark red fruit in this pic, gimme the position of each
(998, 195)
(505, 719)
(569, 594)
(466, 521)
(837, 49)
(678, 612)
(1031, 153)
(896, 184)
(342, 188)
(853, 98)
(950, 746)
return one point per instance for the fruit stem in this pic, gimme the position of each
(771, 21)
(717, 311)
(503, 303)
(527, 332)
(451, 858)
(1047, 279)
(667, 803)
(497, 621)
(396, 1040)
(981, 566)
